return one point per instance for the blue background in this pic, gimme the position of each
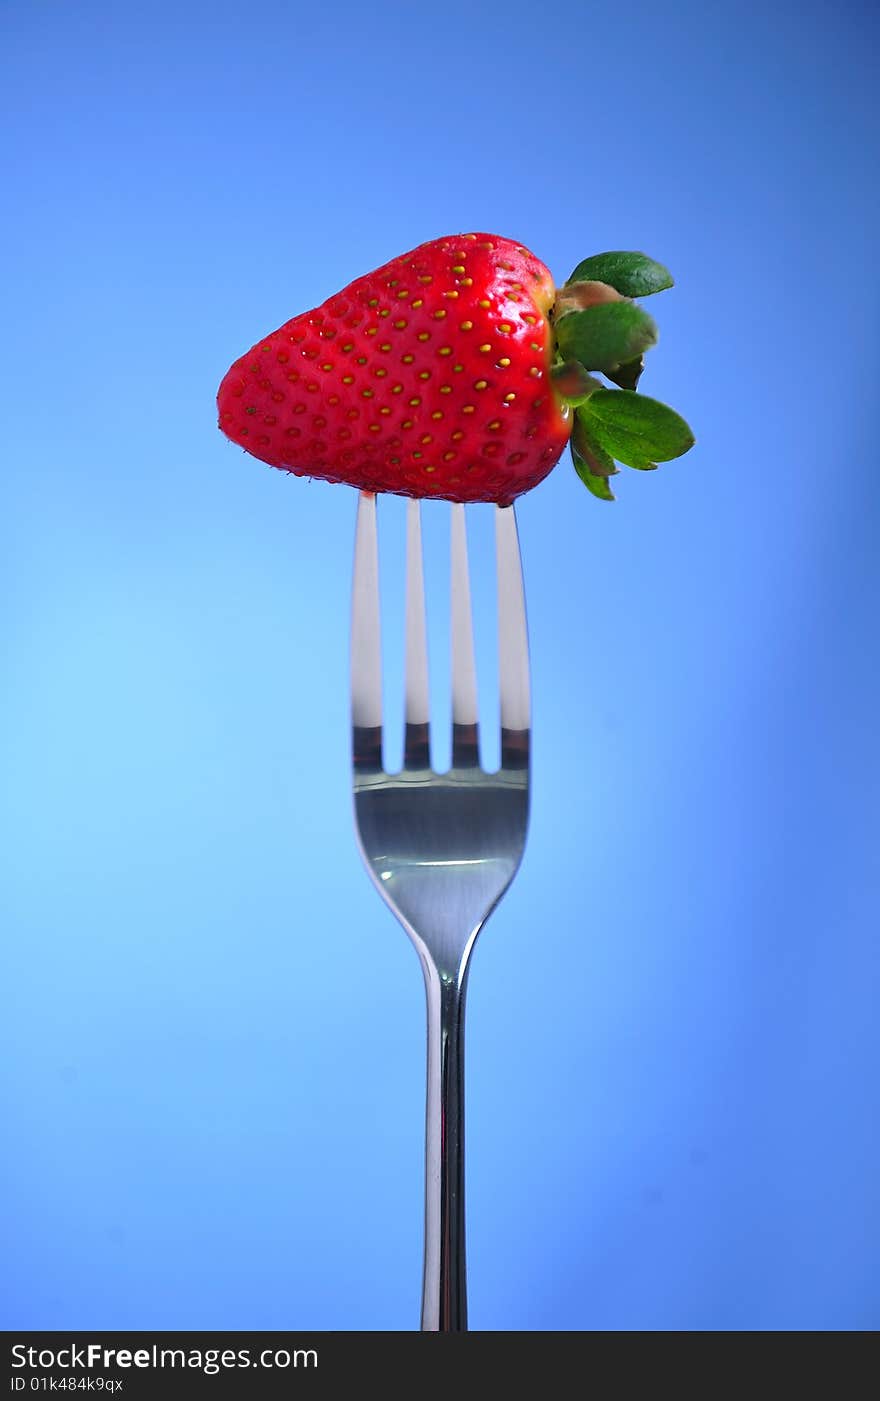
(212, 1044)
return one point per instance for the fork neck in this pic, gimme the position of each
(444, 1297)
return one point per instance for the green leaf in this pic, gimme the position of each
(605, 336)
(631, 274)
(628, 375)
(587, 446)
(598, 485)
(635, 429)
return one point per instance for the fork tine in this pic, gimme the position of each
(513, 644)
(366, 652)
(465, 738)
(416, 744)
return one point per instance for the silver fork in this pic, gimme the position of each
(441, 849)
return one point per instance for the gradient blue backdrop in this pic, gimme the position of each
(212, 1049)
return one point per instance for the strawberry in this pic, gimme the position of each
(441, 374)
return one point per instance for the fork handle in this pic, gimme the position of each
(444, 1294)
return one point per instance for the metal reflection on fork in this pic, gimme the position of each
(441, 849)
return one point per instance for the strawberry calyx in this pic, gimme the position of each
(599, 327)
(572, 382)
(577, 296)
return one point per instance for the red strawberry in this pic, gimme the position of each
(432, 376)
(428, 377)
